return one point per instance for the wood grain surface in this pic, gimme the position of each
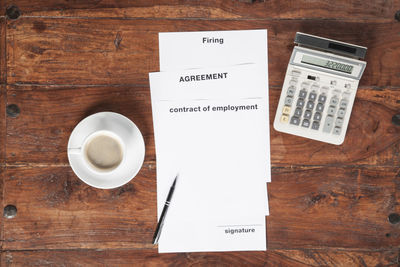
(311, 207)
(3, 70)
(210, 9)
(49, 113)
(84, 51)
(339, 258)
(61, 61)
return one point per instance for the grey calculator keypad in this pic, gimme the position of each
(303, 93)
(343, 103)
(337, 130)
(320, 107)
(328, 124)
(331, 110)
(315, 125)
(295, 120)
(310, 105)
(307, 114)
(334, 101)
(322, 98)
(298, 111)
(312, 96)
(300, 102)
(341, 113)
(339, 122)
(317, 116)
(288, 101)
(291, 91)
(311, 108)
(306, 123)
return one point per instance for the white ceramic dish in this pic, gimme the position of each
(133, 146)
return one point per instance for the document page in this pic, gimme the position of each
(190, 50)
(210, 128)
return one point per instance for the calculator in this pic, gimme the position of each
(319, 88)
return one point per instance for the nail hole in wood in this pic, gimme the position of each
(397, 15)
(13, 110)
(394, 218)
(396, 119)
(13, 12)
(10, 211)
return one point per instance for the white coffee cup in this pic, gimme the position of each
(106, 150)
(102, 156)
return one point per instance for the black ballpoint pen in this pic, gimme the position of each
(160, 224)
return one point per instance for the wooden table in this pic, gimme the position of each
(64, 60)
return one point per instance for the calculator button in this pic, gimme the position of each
(333, 83)
(295, 120)
(337, 130)
(347, 86)
(317, 116)
(339, 122)
(310, 105)
(341, 113)
(286, 110)
(336, 93)
(303, 93)
(312, 96)
(315, 125)
(334, 101)
(346, 95)
(291, 90)
(331, 110)
(297, 112)
(288, 101)
(292, 82)
(328, 124)
(307, 114)
(314, 87)
(343, 103)
(324, 89)
(284, 118)
(300, 102)
(322, 98)
(296, 73)
(320, 107)
(306, 123)
(305, 85)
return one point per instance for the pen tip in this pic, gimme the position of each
(176, 178)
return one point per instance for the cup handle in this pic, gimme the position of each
(74, 150)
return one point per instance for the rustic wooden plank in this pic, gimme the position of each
(3, 69)
(2, 124)
(2, 172)
(49, 114)
(325, 207)
(211, 9)
(2, 155)
(299, 258)
(333, 207)
(83, 51)
(57, 210)
(371, 137)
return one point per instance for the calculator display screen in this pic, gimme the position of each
(325, 63)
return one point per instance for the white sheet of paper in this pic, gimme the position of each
(213, 133)
(189, 50)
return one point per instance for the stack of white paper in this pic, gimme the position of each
(211, 126)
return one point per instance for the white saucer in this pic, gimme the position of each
(127, 131)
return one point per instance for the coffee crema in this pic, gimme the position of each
(103, 152)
